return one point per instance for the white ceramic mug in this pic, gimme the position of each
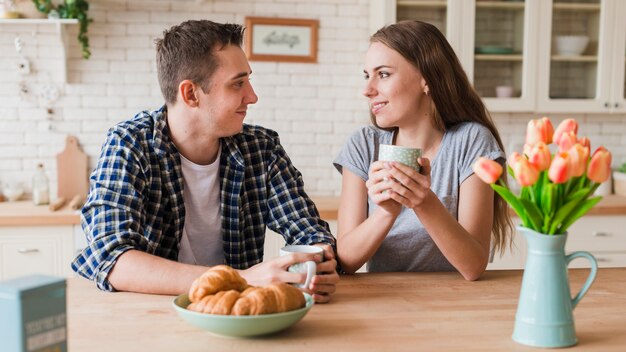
(308, 267)
(405, 155)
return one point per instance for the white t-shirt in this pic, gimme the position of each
(202, 241)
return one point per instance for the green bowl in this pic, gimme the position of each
(241, 326)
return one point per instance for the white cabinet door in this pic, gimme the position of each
(618, 91)
(502, 53)
(36, 250)
(589, 81)
(602, 236)
(513, 43)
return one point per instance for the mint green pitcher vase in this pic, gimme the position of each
(544, 311)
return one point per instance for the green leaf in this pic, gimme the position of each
(524, 193)
(509, 170)
(578, 195)
(534, 214)
(565, 210)
(548, 199)
(513, 201)
(584, 207)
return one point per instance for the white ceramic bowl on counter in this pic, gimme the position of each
(571, 45)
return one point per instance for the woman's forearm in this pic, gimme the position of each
(468, 255)
(358, 245)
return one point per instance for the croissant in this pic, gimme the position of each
(216, 279)
(275, 298)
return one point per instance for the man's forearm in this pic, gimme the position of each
(136, 271)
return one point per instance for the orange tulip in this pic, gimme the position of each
(567, 141)
(585, 142)
(560, 169)
(514, 157)
(525, 173)
(539, 130)
(600, 165)
(579, 156)
(539, 156)
(487, 170)
(568, 125)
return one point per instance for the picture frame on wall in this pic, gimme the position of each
(281, 39)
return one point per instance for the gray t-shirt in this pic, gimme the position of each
(408, 247)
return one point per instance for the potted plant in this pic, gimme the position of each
(556, 190)
(70, 9)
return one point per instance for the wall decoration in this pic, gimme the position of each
(281, 39)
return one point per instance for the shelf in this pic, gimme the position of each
(60, 27)
(488, 57)
(579, 58)
(40, 21)
(426, 3)
(504, 5)
(576, 7)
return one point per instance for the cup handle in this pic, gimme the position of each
(590, 278)
(311, 270)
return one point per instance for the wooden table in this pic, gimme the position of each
(370, 312)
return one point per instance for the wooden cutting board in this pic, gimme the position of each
(72, 178)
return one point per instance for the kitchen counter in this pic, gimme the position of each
(22, 213)
(369, 312)
(25, 213)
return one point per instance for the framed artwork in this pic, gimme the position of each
(281, 39)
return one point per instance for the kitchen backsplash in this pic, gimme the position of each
(314, 107)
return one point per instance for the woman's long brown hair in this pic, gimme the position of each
(454, 98)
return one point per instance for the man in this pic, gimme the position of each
(190, 186)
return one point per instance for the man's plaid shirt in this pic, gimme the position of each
(136, 197)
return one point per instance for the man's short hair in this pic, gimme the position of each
(186, 51)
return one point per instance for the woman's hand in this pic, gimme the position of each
(378, 185)
(411, 188)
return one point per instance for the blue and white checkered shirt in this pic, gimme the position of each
(136, 197)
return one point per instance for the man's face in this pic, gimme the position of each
(226, 103)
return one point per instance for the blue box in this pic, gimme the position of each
(33, 314)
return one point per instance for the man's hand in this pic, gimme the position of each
(275, 270)
(324, 283)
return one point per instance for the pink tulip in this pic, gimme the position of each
(539, 156)
(560, 169)
(585, 142)
(600, 165)
(514, 157)
(487, 170)
(568, 125)
(525, 173)
(567, 141)
(579, 156)
(539, 130)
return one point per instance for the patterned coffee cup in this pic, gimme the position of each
(404, 155)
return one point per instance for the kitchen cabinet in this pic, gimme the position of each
(36, 250)
(34, 240)
(594, 80)
(512, 43)
(602, 236)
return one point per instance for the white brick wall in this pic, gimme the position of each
(314, 107)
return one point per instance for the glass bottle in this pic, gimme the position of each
(41, 190)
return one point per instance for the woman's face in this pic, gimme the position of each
(394, 87)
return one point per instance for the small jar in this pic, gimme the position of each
(41, 190)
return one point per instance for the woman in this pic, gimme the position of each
(442, 218)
